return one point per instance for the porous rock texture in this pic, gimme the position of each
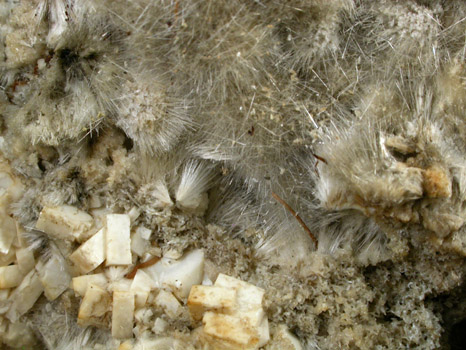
(209, 122)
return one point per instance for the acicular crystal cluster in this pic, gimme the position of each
(232, 174)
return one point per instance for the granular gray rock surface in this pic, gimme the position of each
(313, 149)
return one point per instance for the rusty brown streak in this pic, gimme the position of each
(147, 263)
(320, 158)
(290, 209)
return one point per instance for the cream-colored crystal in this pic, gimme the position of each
(4, 302)
(210, 298)
(123, 314)
(7, 233)
(228, 332)
(90, 254)
(231, 312)
(25, 296)
(118, 242)
(64, 222)
(141, 286)
(10, 276)
(167, 301)
(95, 304)
(7, 259)
(54, 276)
(25, 258)
(160, 325)
(80, 283)
(139, 242)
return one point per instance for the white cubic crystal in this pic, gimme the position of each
(228, 332)
(170, 305)
(160, 325)
(263, 332)
(118, 241)
(231, 312)
(248, 294)
(90, 254)
(210, 298)
(134, 213)
(64, 222)
(249, 298)
(94, 200)
(123, 313)
(143, 315)
(121, 285)
(165, 343)
(144, 232)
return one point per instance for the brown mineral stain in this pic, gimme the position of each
(436, 183)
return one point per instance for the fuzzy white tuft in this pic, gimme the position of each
(196, 178)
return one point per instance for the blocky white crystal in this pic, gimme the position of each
(123, 314)
(80, 283)
(118, 241)
(64, 222)
(90, 254)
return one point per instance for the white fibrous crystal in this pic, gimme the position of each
(191, 193)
